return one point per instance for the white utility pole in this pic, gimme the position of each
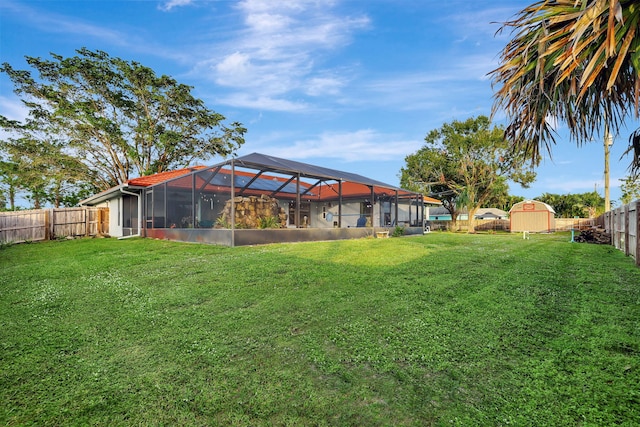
(608, 142)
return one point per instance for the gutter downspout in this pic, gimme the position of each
(123, 191)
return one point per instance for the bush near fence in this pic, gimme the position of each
(47, 224)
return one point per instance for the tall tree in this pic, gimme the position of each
(469, 159)
(9, 182)
(630, 189)
(583, 205)
(118, 116)
(48, 174)
(418, 175)
(504, 202)
(572, 61)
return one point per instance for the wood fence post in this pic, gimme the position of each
(87, 224)
(626, 229)
(637, 227)
(47, 225)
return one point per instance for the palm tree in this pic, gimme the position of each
(576, 61)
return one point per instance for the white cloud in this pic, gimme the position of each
(319, 86)
(279, 49)
(56, 23)
(364, 144)
(263, 103)
(566, 186)
(167, 6)
(13, 109)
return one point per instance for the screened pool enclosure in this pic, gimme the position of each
(263, 199)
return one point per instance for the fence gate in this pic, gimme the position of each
(46, 224)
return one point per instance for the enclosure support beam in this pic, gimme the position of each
(298, 201)
(233, 203)
(373, 198)
(396, 210)
(340, 204)
(193, 201)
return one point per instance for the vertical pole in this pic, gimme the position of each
(47, 222)
(396, 210)
(298, 201)
(373, 195)
(233, 204)
(627, 229)
(193, 200)
(608, 141)
(141, 220)
(87, 224)
(339, 204)
(637, 226)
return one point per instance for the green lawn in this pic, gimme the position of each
(442, 329)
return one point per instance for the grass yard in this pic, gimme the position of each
(442, 329)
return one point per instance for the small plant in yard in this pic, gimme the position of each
(268, 222)
(221, 222)
(398, 231)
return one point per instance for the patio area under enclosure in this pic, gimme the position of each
(258, 199)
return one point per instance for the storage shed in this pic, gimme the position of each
(533, 216)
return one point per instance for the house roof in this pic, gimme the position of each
(138, 183)
(491, 212)
(277, 164)
(146, 181)
(352, 184)
(441, 210)
(520, 206)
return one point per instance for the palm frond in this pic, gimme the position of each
(572, 61)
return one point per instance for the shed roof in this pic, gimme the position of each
(519, 206)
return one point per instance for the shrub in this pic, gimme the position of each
(398, 231)
(268, 222)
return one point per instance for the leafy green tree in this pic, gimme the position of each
(418, 175)
(584, 205)
(471, 160)
(9, 182)
(118, 117)
(577, 62)
(504, 202)
(630, 189)
(45, 172)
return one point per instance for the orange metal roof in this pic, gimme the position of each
(146, 181)
(321, 192)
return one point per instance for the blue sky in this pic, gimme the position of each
(347, 84)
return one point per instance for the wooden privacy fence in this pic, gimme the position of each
(568, 224)
(623, 224)
(48, 224)
(463, 225)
